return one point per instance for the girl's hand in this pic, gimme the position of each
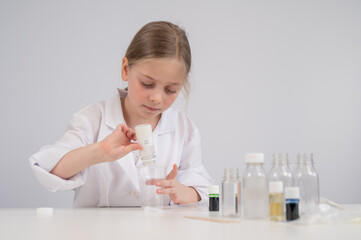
(118, 143)
(179, 193)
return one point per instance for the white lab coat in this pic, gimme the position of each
(176, 138)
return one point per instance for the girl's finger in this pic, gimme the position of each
(133, 137)
(174, 198)
(165, 183)
(132, 147)
(166, 191)
(129, 135)
(124, 128)
(173, 173)
(119, 128)
(127, 131)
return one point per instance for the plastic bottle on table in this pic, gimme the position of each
(231, 187)
(307, 179)
(280, 170)
(255, 200)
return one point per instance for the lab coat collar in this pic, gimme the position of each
(114, 115)
(113, 110)
(166, 123)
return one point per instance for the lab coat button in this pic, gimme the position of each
(134, 193)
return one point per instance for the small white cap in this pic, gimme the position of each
(213, 189)
(143, 131)
(276, 187)
(254, 158)
(45, 211)
(292, 193)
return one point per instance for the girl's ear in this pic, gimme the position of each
(125, 69)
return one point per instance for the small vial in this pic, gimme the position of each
(231, 187)
(213, 198)
(145, 138)
(292, 196)
(276, 202)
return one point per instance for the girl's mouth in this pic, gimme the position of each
(151, 109)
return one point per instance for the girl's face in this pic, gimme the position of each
(153, 85)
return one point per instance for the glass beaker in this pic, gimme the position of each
(148, 175)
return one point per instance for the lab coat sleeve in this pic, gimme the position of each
(78, 134)
(191, 171)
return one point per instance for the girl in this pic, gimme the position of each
(97, 157)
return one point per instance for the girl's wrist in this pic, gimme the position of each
(100, 153)
(189, 195)
(193, 195)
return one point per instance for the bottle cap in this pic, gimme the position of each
(292, 193)
(254, 158)
(143, 131)
(213, 189)
(276, 187)
(145, 138)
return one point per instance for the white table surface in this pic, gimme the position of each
(137, 223)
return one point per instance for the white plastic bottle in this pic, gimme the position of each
(255, 200)
(145, 138)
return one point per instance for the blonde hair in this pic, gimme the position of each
(161, 39)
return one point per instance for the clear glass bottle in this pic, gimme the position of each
(276, 201)
(231, 191)
(255, 188)
(307, 179)
(280, 170)
(213, 195)
(292, 196)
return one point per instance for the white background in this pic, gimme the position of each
(269, 76)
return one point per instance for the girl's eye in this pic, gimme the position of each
(167, 90)
(147, 85)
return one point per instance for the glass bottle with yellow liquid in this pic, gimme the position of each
(276, 201)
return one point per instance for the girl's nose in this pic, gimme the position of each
(156, 97)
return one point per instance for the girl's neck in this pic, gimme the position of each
(133, 119)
